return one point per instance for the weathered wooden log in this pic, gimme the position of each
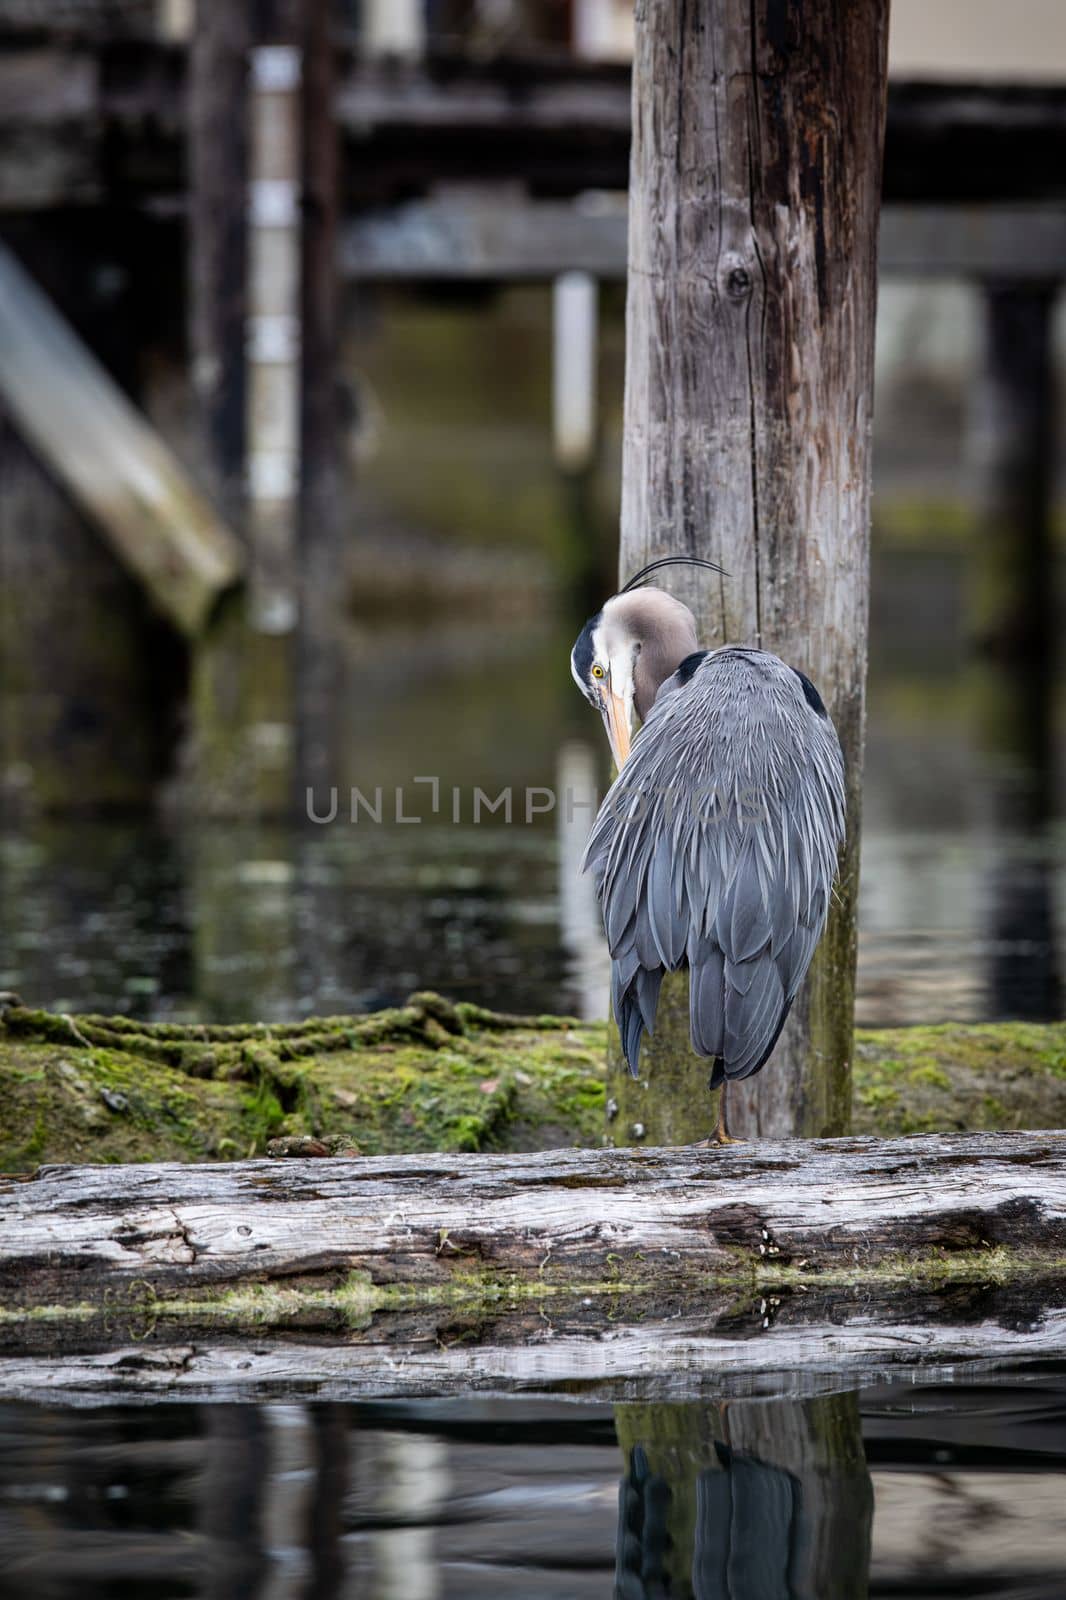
(442, 1271)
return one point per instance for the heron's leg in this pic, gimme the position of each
(722, 1134)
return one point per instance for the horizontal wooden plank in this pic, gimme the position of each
(1019, 242)
(486, 236)
(504, 237)
(560, 126)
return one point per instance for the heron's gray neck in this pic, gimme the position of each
(664, 630)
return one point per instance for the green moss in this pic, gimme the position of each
(426, 1076)
(934, 1075)
(878, 1095)
(952, 1076)
(430, 1076)
(262, 1118)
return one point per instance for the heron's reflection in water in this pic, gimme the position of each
(744, 1501)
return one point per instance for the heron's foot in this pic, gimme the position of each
(722, 1134)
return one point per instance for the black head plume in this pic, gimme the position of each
(670, 561)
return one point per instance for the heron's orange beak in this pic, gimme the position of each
(617, 724)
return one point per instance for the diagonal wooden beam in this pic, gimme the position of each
(109, 458)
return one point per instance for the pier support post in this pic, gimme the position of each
(1012, 623)
(262, 269)
(754, 198)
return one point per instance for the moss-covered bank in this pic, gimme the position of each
(951, 1077)
(435, 1076)
(425, 1076)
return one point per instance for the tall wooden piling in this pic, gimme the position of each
(321, 526)
(217, 242)
(237, 749)
(754, 195)
(262, 271)
(1012, 625)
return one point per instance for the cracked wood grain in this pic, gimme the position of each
(570, 1222)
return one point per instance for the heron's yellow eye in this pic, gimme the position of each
(598, 672)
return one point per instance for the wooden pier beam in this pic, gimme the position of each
(754, 195)
(237, 757)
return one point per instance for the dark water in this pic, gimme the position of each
(909, 1490)
(963, 892)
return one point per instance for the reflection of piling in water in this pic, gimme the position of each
(412, 1477)
(746, 1522)
(233, 1486)
(325, 1512)
(819, 1441)
(287, 1499)
(755, 1500)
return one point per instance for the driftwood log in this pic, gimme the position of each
(674, 1269)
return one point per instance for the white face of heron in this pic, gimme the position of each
(602, 662)
(625, 652)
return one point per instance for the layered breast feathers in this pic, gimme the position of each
(716, 847)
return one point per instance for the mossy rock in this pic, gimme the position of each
(435, 1076)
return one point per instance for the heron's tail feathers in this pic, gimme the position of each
(635, 1004)
(733, 1053)
(723, 1070)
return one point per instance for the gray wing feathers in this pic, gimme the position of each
(717, 849)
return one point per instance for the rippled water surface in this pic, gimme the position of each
(914, 1490)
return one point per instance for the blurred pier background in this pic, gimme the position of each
(311, 346)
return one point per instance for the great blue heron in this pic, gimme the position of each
(716, 846)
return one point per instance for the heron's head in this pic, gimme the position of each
(625, 652)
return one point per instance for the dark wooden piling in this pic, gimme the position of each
(754, 194)
(266, 681)
(321, 526)
(1012, 443)
(83, 727)
(1012, 626)
(217, 157)
(238, 678)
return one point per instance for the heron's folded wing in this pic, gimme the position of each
(717, 846)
